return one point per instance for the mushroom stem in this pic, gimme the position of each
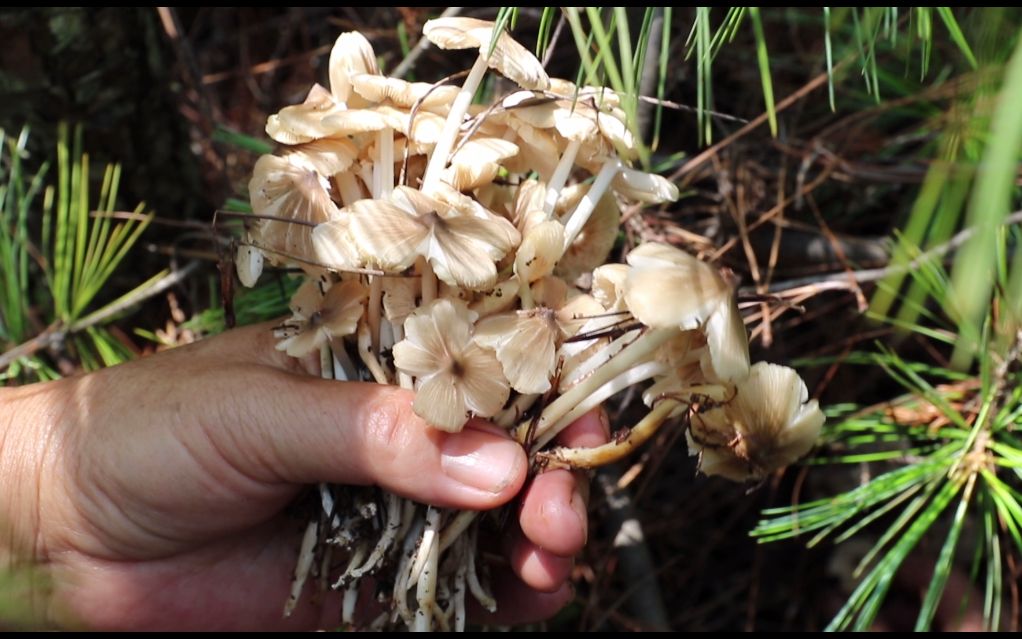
(578, 217)
(525, 294)
(438, 160)
(560, 176)
(373, 310)
(635, 353)
(305, 556)
(628, 378)
(365, 352)
(404, 380)
(615, 449)
(429, 283)
(385, 143)
(348, 186)
(425, 590)
(452, 531)
(392, 526)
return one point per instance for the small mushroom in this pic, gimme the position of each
(455, 377)
(317, 317)
(294, 197)
(303, 122)
(351, 56)
(770, 423)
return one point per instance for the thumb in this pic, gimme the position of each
(362, 433)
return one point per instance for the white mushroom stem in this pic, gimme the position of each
(438, 160)
(392, 526)
(425, 591)
(348, 606)
(374, 307)
(459, 594)
(484, 598)
(580, 215)
(615, 449)
(305, 557)
(525, 293)
(383, 185)
(635, 353)
(560, 176)
(429, 283)
(632, 376)
(404, 380)
(385, 163)
(365, 352)
(452, 531)
(401, 584)
(507, 417)
(347, 185)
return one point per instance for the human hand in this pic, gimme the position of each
(154, 491)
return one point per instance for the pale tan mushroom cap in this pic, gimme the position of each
(351, 56)
(291, 189)
(770, 423)
(649, 188)
(526, 344)
(318, 317)
(540, 249)
(303, 122)
(378, 89)
(461, 249)
(455, 376)
(509, 58)
(667, 287)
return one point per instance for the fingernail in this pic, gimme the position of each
(481, 459)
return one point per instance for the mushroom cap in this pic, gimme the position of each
(327, 156)
(477, 162)
(525, 343)
(303, 122)
(455, 376)
(248, 264)
(288, 188)
(540, 249)
(379, 89)
(667, 287)
(770, 423)
(509, 58)
(639, 186)
(352, 55)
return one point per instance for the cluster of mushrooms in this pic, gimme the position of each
(458, 249)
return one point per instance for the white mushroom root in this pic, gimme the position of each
(458, 277)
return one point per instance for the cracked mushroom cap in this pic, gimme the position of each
(525, 343)
(509, 58)
(770, 423)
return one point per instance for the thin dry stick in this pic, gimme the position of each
(413, 56)
(839, 281)
(699, 160)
